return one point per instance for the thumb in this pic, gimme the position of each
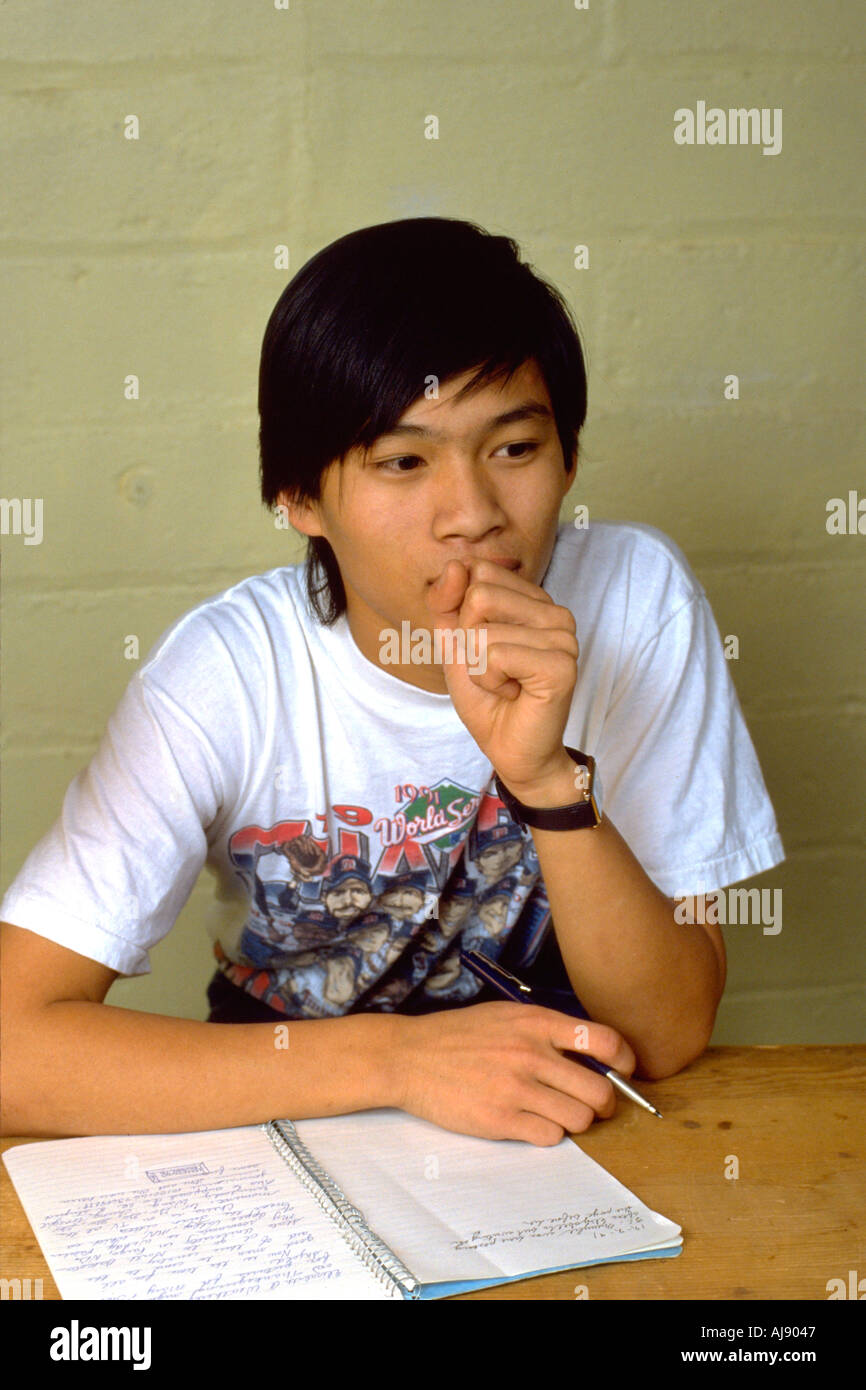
(445, 594)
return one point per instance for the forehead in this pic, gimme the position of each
(451, 417)
(436, 422)
(451, 411)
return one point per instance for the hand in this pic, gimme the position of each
(496, 1071)
(516, 709)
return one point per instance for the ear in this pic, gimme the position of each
(301, 512)
(572, 471)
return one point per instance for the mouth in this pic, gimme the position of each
(469, 561)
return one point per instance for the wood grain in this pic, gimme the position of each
(793, 1119)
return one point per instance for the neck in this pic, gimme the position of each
(406, 652)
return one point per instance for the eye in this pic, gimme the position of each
(385, 465)
(525, 444)
(395, 465)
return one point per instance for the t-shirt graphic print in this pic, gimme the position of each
(389, 907)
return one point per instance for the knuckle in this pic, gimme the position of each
(605, 1102)
(469, 609)
(497, 1122)
(567, 620)
(520, 1014)
(581, 1118)
(536, 1012)
(543, 1133)
(608, 1040)
(501, 1007)
(566, 661)
(477, 591)
(596, 1091)
(610, 1109)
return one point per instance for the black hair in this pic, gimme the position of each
(363, 325)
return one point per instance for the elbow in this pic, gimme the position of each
(22, 1079)
(656, 1064)
(690, 1038)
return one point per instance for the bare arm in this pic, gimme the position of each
(629, 960)
(75, 1065)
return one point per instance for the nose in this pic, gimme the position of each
(467, 502)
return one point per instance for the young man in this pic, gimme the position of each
(370, 804)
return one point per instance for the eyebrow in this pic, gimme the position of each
(528, 410)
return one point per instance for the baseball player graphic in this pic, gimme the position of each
(498, 849)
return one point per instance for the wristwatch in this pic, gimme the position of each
(584, 814)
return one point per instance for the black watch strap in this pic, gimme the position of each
(585, 814)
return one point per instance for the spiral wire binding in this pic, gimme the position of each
(375, 1254)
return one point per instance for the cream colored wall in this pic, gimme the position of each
(262, 126)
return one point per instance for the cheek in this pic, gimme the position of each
(388, 540)
(391, 512)
(545, 498)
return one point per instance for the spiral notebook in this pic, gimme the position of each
(372, 1205)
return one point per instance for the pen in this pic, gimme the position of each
(512, 988)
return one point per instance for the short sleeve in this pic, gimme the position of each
(681, 779)
(111, 875)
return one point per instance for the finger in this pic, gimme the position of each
(566, 1075)
(540, 672)
(511, 634)
(598, 1040)
(529, 1127)
(445, 595)
(485, 570)
(488, 602)
(486, 649)
(575, 1115)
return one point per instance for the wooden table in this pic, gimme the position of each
(788, 1120)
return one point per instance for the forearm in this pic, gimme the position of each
(633, 966)
(77, 1067)
(630, 963)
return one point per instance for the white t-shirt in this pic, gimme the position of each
(350, 819)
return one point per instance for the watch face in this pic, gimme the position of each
(584, 772)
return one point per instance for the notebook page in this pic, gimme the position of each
(456, 1208)
(206, 1215)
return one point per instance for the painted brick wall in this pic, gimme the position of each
(261, 126)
